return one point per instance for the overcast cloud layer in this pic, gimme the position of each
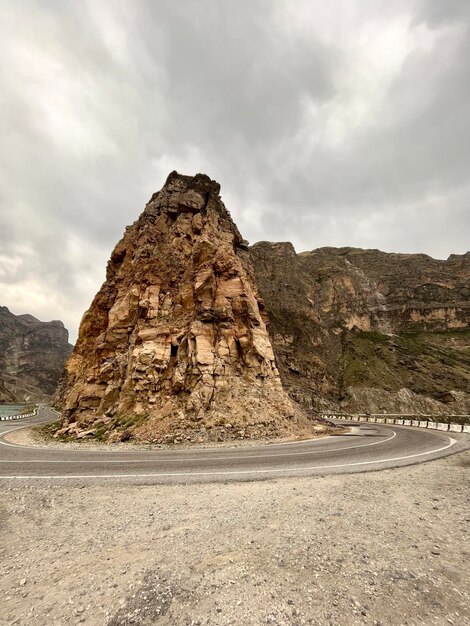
(327, 124)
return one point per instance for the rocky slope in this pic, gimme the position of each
(32, 357)
(174, 345)
(365, 330)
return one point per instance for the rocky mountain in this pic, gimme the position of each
(365, 330)
(175, 345)
(32, 357)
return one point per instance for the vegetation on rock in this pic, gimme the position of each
(368, 331)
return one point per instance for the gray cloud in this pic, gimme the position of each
(324, 126)
(435, 13)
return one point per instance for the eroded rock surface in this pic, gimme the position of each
(369, 331)
(175, 343)
(32, 357)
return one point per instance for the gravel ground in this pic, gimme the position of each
(388, 548)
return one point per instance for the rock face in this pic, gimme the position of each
(175, 343)
(364, 330)
(32, 357)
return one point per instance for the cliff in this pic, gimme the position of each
(174, 346)
(32, 357)
(365, 330)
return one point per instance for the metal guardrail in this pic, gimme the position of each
(19, 416)
(400, 421)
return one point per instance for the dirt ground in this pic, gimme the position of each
(385, 548)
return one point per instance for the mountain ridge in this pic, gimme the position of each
(366, 330)
(32, 356)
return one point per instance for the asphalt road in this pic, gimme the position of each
(367, 447)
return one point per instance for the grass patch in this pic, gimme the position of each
(48, 430)
(369, 335)
(431, 364)
(450, 419)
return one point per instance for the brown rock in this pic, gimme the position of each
(365, 330)
(177, 333)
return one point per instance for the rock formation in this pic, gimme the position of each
(32, 357)
(174, 345)
(364, 330)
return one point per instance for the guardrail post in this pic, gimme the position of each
(421, 423)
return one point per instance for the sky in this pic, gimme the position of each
(339, 123)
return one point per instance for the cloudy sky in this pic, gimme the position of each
(327, 124)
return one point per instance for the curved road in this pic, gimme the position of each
(367, 447)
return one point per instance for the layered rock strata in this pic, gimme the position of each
(32, 357)
(364, 330)
(175, 343)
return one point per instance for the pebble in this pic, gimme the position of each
(452, 572)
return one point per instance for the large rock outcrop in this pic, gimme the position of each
(364, 330)
(32, 357)
(175, 344)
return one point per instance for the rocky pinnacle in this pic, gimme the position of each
(176, 338)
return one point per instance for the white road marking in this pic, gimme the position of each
(238, 472)
(212, 458)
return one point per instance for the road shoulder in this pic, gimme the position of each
(345, 549)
